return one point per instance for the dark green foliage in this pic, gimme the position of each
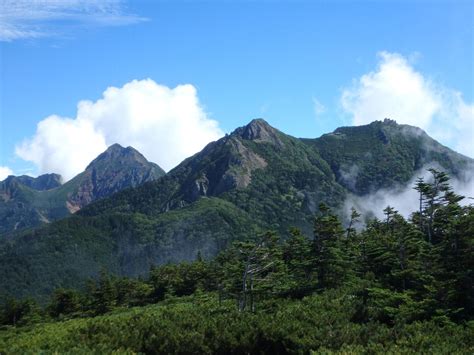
(125, 245)
(20, 312)
(331, 257)
(320, 323)
(386, 288)
(300, 261)
(65, 303)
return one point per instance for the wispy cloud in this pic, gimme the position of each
(319, 108)
(23, 19)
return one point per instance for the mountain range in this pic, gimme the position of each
(254, 179)
(27, 202)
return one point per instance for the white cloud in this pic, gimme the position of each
(4, 172)
(62, 145)
(396, 90)
(165, 124)
(319, 108)
(20, 19)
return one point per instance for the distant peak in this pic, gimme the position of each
(118, 149)
(116, 152)
(389, 121)
(42, 182)
(258, 122)
(258, 130)
(114, 148)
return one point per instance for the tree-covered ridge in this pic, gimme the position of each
(396, 285)
(123, 244)
(383, 154)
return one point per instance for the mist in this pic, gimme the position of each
(404, 198)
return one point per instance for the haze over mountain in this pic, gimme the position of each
(254, 179)
(28, 202)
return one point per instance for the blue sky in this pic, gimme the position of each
(305, 66)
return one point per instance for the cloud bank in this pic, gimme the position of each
(404, 198)
(165, 124)
(22, 19)
(396, 90)
(4, 172)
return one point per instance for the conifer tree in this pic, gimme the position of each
(332, 263)
(299, 259)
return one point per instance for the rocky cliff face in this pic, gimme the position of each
(115, 169)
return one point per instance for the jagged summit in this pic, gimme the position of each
(258, 130)
(117, 153)
(40, 183)
(112, 171)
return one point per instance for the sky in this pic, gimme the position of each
(167, 77)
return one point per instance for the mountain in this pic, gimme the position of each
(115, 169)
(275, 178)
(40, 183)
(383, 154)
(254, 179)
(27, 202)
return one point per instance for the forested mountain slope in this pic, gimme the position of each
(256, 178)
(383, 154)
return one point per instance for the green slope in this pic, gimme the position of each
(69, 251)
(256, 178)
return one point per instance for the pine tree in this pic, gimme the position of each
(256, 269)
(299, 259)
(64, 302)
(353, 220)
(104, 294)
(332, 262)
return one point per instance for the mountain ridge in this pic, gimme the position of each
(254, 179)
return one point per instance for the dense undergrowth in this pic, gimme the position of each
(200, 324)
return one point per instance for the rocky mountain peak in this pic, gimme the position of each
(40, 183)
(116, 153)
(260, 131)
(113, 170)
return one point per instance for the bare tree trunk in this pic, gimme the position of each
(243, 299)
(252, 305)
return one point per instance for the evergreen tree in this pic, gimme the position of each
(22, 312)
(103, 294)
(354, 218)
(64, 302)
(299, 259)
(332, 262)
